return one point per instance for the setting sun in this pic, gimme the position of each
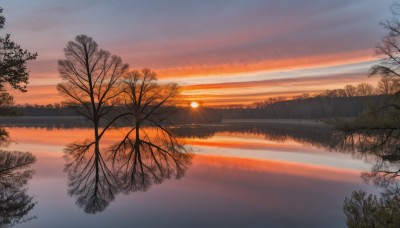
(180, 102)
(194, 104)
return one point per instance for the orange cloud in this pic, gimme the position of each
(236, 93)
(267, 65)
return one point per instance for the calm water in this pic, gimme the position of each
(239, 176)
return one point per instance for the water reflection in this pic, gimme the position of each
(148, 156)
(381, 148)
(90, 177)
(141, 158)
(15, 203)
(219, 187)
(314, 134)
(136, 159)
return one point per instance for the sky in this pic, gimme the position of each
(221, 52)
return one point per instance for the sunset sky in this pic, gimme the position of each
(221, 52)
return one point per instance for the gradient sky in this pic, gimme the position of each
(221, 52)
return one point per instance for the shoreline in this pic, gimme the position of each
(277, 121)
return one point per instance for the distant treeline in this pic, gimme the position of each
(309, 108)
(181, 115)
(351, 101)
(44, 110)
(305, 108)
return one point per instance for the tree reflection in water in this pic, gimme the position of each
(142, 161)
(135, 163)
(147, 154)
(91, 179)
(15, 203)
(381, 147)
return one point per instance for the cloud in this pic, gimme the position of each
(301, 81)
(211, 38)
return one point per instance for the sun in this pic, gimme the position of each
(194, 104)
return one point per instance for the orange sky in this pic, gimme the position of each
(224, 91)
(221, 53)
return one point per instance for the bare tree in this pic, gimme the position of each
(149, 152)
(91, 78)
(389, 48)
(365, 89)
(388, 85)
(350, 90)
(143, 157)
(389, 66)
(146, 100)
(334, 93)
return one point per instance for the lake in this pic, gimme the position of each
(237, 175)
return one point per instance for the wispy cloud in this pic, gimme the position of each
(214, 40)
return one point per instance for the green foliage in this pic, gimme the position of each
(379, 116)
(6, 102)
(13, 61)
(13, 64)
(364, 210)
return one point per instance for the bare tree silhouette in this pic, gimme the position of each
(146, 100)
(91, 77)
(148, 153)
(389, 48)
